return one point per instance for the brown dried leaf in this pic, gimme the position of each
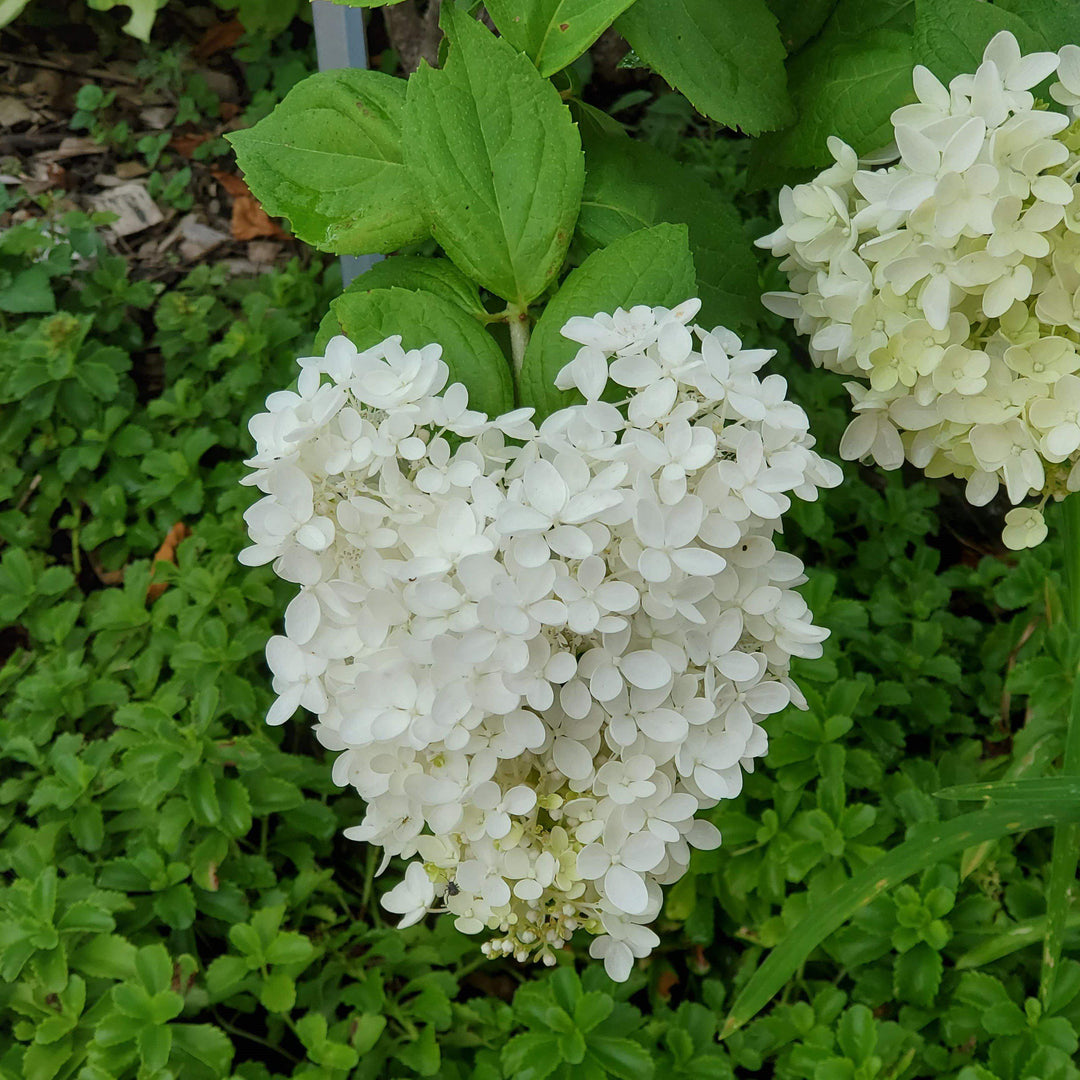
(220, 36)
(167, 553)
(186, 141)
(232, 183)
(250, 220)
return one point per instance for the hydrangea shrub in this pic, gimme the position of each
(946, 284)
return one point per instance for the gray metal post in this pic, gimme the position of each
(340, 43)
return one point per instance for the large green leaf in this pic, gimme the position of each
(800, 20)
(630, 185)
(438, 276)
(11, 9)
(725, 56)
(143, 13)
(1057, 22)
(497, 156)
(950, 35)
(925, 847)
(843, 86)
(853, 18)
(421, 317)
(329, 159)
(651, 266)
(553, 33)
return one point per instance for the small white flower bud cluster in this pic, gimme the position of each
(950, 283)
(539, 652)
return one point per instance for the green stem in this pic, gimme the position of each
(371, 908)
(519, 339)
(1066, 850)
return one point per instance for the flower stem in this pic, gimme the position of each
(1066, 851)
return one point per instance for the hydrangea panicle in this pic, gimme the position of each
(538, 652)
(947, 284)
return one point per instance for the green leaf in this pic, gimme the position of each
(369, 1026)
(415, 272)
(204, 1043)
(950, 35)
(800, 20)
(278, 992)
(422, 1055)
(30, 291)
(10, 10)
(154, 1043)
(329, 159)
(998, 1013)
(1056, 23)
(176, 906)
(289, 947)
(143, 12)
(224, 975)
(925, 847)
(154, 968)
(106, 956)
(493, 148)
(553, 33)
(630, 185)
(86, 916)
(623, 1058)
(917, 975)
(471, 353)
(532, 1056)
(857, 1034)
(844, 86)
(725, 56)
(651, 266)
(593, 1008)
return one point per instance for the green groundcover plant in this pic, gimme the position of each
(179, 899)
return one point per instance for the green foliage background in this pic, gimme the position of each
(177, 899)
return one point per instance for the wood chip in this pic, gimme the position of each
(157, 116)
(198, 238)
(263, 251)
(136, 210)
(73, 146)
(14, 111)
(128, 170)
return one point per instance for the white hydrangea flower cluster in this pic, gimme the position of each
(949, 283)
(539, 652)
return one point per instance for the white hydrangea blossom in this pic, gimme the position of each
(948, 284)
(539, 652)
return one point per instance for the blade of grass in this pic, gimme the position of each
(924, 848)
(1066, 851)
(1052, 790)
(1019, 936)
(1038, 758)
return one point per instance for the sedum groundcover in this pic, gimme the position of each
(178, 899)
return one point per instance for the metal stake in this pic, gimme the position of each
(340, 43)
